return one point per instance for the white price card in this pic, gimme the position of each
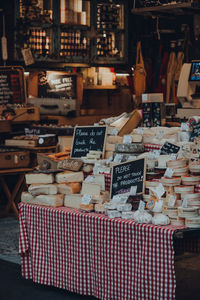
(131, 157)
(133, 190)
(110, 158)
(173, 156)
(115, 199)
(96, 124)
(169, 173)
(118, 158)
(115, 131)
(185, 126)
(158, 190)
(86, 199)
(127, 139)
(171, 200)
(89, 179)
(141, 206)
(160, 134)
(185, 203)
(140, 130)
(156, 153)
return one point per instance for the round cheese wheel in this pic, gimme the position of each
(179, 163)
(190, 180)
(193, 222)
(184, 189)
(188, 212)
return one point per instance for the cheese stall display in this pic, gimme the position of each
(150, 175)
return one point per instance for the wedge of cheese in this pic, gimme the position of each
(97, 179)
(68, 176)
(69, 188)
(87, 207)
(50, 200)
(114, 139)
(90, 188)
(32, 178)
(73, 200)
(42, 189)
(28, 198)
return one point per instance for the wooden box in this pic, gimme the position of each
(14, 159)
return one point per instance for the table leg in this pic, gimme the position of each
(11, 196)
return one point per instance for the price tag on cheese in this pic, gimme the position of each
(127, 139)
(118, 158)
(185, 126)
(171, 200)
(133, 190)
(131, 157)
(89, 179)
(86, 199)
(115, 199)
(156, 153)
(115, 131)
(158, 190)
(185, 202)
(159, 134)
(169, 173)
(140, 130)
(110, 158)
(173, 156)
(141, 206)
(96, 124)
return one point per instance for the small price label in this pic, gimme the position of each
(118, 158)
(140, 130)
(156, 153)
(173, 156)
(115, 199)
(127, 139)
(172, 200)
(86, 199)
(185, 126)
(115, 131)
(169, 173)
(185, 203)
(141, 206)
(131, 157)
(133, 190)
(160, 134)
(96, 124)
(109, 160)
(89, 179)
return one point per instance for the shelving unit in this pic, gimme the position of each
(72, 31)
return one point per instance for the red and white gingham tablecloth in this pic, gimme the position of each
(90, 254)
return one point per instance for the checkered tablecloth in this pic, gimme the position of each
(90, 254)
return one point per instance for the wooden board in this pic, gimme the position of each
(21, 143)
(88, 138)
(125, 175)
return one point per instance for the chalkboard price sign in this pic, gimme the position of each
(125, 175)
(195, 132)
(169, 148)
(88, 138)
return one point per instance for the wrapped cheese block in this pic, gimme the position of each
(42, 189)
(73, 200)
(127, 215)
(190, 180)
(32, 178)
(68, 176)
(110, 206)
(160, 219)
(113, 214)
(50, 200)
(28, 198)
(87, 207)
(99, 208)
(142, 217)
(69, 188)
(90, 188)
(124, 207)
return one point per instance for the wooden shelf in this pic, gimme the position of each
(100, 87)
(168, 8)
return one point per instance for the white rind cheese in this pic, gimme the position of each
(28, 198)
(90, 188)
(68, 176)
(50, 200)
(32, 178)
(42, 189)
(73, 201)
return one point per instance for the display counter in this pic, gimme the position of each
(91, 254)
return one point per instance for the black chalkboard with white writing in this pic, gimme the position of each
(169, 148)
(88, 138)
(11, 85)
(195, 132)
(56, 85)
(125, 175)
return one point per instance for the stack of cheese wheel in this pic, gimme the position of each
(188, 212)
(193, 222)
(179, 166)
(172, 213)
(194, 168)
(192, 199)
